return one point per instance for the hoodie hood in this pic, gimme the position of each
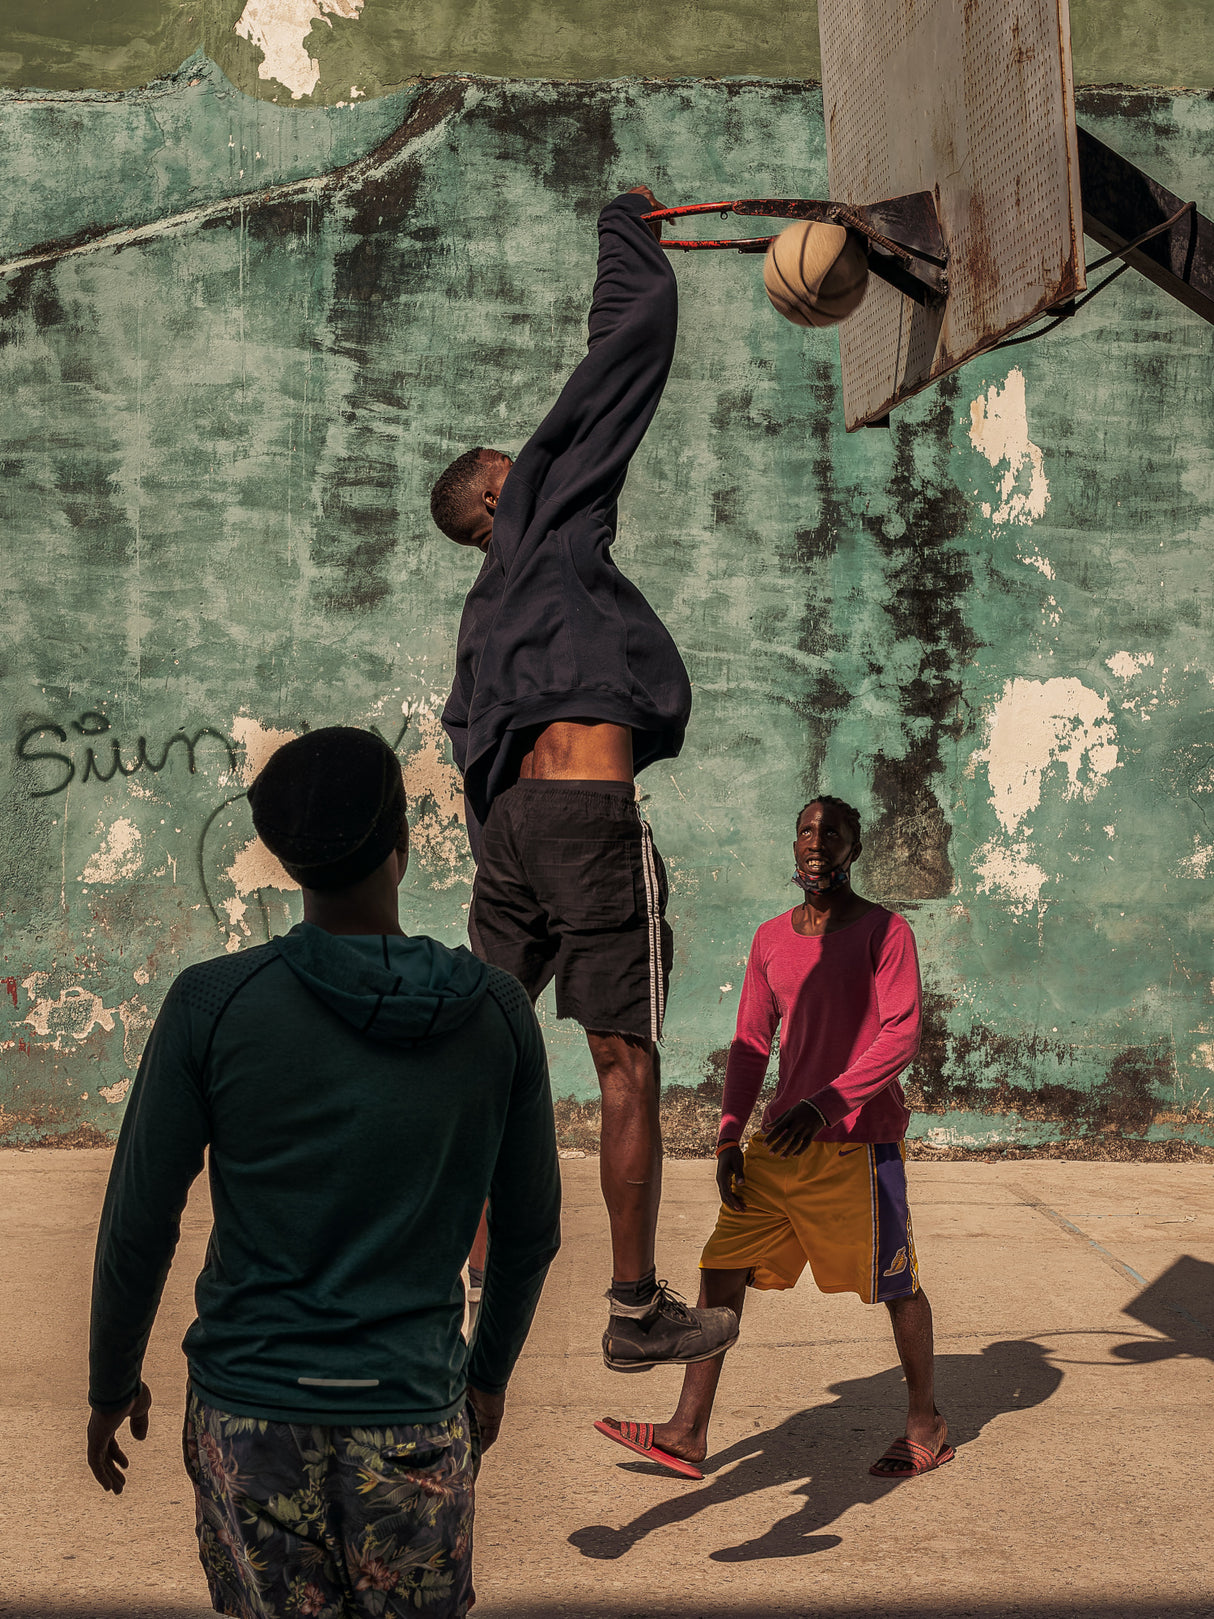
(392, 987)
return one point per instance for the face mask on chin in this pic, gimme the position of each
(825, 883)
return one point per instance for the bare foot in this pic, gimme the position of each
(681, 1442)
(930, 1432)
(929, 1439)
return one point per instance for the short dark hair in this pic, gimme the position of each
(846, 812)
(453, 500)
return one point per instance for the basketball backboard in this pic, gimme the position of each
(972, 101)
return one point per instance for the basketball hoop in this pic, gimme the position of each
(906, 246)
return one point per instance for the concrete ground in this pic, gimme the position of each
(1075, 1332)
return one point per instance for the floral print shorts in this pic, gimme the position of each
(333, 1523)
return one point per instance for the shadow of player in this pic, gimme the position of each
(834, 1445)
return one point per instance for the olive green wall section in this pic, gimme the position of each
(118, 44)
(989, 627)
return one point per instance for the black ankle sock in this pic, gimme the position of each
(636, 1292)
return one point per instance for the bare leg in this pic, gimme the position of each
(686, 1434)
(912, 1323)
(480, 1243)
(630, 1151)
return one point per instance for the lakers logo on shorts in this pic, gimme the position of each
(897, 1264)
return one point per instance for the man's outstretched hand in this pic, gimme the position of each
(106, 1457)
(655, 225)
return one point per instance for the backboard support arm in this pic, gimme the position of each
(1120, 202)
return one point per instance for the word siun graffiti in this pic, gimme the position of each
(92, 723)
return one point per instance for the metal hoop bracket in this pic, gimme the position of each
(906, 245)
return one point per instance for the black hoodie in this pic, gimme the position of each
(360, 1097)
(552, 629)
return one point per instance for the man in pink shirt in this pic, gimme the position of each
(823, 1180)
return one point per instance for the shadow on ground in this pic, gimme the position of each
(827, 1447)
(1179, 1304)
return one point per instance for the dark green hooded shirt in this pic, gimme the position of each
(360, 1097)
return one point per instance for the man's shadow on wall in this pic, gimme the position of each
(835, 1444)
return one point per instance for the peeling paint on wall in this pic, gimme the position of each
(279, 28)
(72, 1014)
(1039, 723)
(1007, 872)
(257, 742)
(223, 433)
(120, 855)
(999, 430)
(1125, 665)
(436, 803)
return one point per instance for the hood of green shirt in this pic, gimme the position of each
(392, 987)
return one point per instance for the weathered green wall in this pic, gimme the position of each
(990, 626)
(367, 49)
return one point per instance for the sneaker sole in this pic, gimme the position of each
(685, 1360)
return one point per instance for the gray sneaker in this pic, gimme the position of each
(665, 1332)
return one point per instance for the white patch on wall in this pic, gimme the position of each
(257, 742)
(136, 1026)
(253, 868)
(120, 855)
(279, 28)
(1037, 724)
(436, 799)
(236, 910)
(1006, 872)
(1198, 863)
(1125, 665)
(999, 430)
(114, 1093)
(73, 1015)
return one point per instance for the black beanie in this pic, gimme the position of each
(330, 805)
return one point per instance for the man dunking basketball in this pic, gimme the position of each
(566, 685)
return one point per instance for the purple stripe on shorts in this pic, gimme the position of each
(895, 1261)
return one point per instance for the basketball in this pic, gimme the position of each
(816, 274)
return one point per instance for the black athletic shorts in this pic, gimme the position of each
(570, 886)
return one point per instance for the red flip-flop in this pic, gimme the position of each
(638, 1436)
(912, 1458)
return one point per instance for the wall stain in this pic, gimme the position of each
(357, 533)
(907, 845)
(580, 140)
(979, 1070)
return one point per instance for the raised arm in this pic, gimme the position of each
(577, 459)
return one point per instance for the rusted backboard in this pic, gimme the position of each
(973, 101)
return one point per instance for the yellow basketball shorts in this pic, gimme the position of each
(840, 1205)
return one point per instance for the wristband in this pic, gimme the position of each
(721, 1146)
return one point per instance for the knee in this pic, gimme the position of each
(908, 1304)
(625, 1065)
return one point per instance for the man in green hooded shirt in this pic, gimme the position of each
(361, 1094)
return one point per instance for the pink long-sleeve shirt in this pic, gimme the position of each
(847, 1007)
